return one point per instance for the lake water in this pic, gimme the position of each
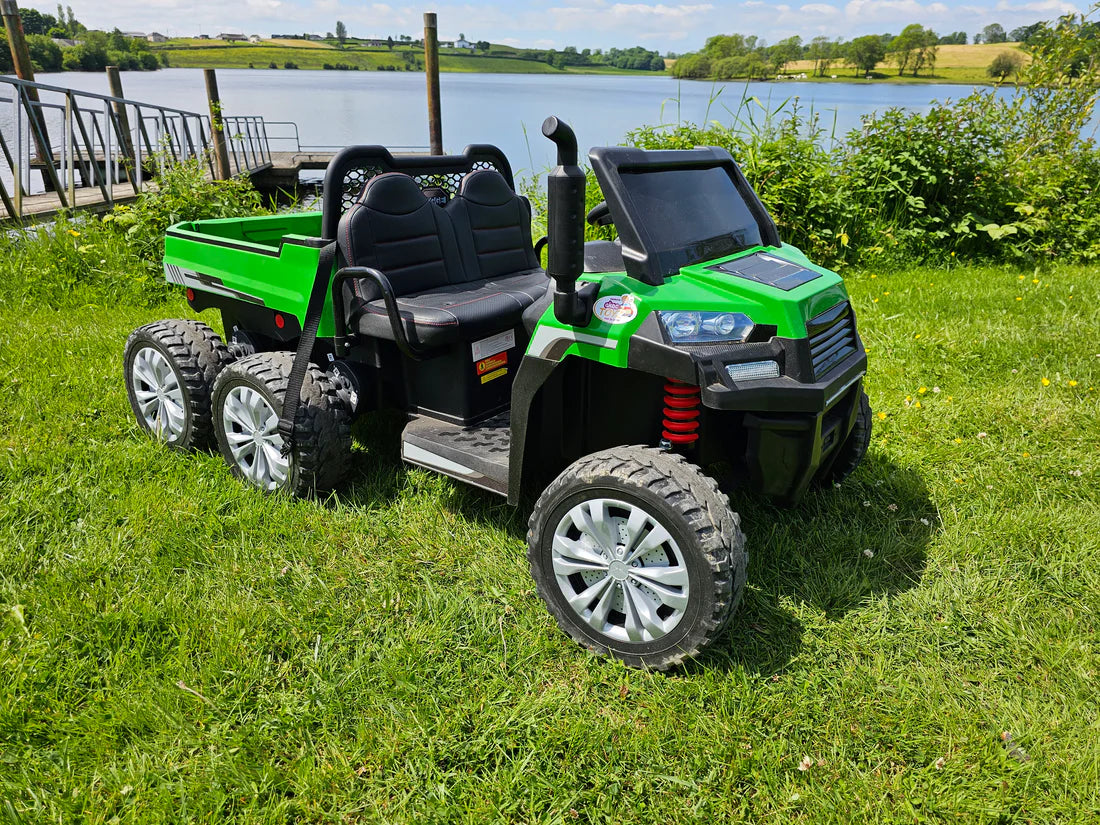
(340, 108)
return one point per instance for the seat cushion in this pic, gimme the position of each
(394, 228)
(493, 226)
(453, 313)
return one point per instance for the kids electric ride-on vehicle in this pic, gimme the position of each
(603, 385)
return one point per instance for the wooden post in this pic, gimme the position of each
(125, 145)
(24, 70)
(431, 71)
(217, 133)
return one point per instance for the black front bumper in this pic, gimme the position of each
(793, 430)
(785, 430)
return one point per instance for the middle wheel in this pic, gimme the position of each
(247, 401)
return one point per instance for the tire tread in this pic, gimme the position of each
(704, 509)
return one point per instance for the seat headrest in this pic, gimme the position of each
(393, 193)
(487, 187)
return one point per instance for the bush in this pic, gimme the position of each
(88, 260)
(1004, 64)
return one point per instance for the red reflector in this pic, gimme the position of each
(279, 321)
(190, 294)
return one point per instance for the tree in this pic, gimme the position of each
(903, 47)
(1023, 34)
(35, 22)
(1004, 64)
(784, 52)
(341, 32)
(389, 42)
(5, 54)
(45, 54)
(994, 33)
(864, 53)
(484, 46)
(822, 51)
(953, 39)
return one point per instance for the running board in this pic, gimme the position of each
(477, 455)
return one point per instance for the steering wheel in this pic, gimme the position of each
(600, 215)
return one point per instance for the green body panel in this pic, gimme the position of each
(697, 288)
(264, 257)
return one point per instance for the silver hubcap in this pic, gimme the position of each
(159, 395)
(620, 570)
(250, 426)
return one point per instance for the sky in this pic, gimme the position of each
(664, 26)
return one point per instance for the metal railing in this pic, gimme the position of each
(283, 136)
(76, 147)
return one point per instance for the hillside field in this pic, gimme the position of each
(954, 64)
(309, 54)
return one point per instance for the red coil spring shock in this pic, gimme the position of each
(681, 413)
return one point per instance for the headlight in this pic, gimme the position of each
(687, 327)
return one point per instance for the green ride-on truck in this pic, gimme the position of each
(608, 385)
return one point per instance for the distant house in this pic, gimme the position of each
(373, 42)
(156, 37)
(254, 38)
(203, 37)
(314, 37)
(232, 38)
(135, 35)
(65, 42)
(446, 44)
(463, 43)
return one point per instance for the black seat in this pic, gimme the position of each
(459, 274)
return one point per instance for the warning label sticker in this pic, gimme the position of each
(493, 344)
(485, 379)
(492, 362)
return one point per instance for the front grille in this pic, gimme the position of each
(832, 339)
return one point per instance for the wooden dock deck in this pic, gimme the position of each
(280, 173)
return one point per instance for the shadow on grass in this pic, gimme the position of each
(813, 555)
(840, 548)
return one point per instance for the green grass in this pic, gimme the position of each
(175, 647)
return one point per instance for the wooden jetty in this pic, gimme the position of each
(66, 150)
(280, 174)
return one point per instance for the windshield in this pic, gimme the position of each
(690, 215)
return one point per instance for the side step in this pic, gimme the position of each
(477, 455)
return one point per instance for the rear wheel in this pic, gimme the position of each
(170, 367)
(637, 555)
(248, 399)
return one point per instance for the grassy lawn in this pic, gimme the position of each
(176, 647)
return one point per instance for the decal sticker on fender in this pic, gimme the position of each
(205, 283)
(616, 309)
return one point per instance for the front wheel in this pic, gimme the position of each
(637, 555)
(850, 454)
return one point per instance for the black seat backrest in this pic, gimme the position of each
(394, 228)
(493, 226)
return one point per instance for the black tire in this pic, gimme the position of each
(196, 355)
(851, 452)
(677, 496)
(322, 434)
